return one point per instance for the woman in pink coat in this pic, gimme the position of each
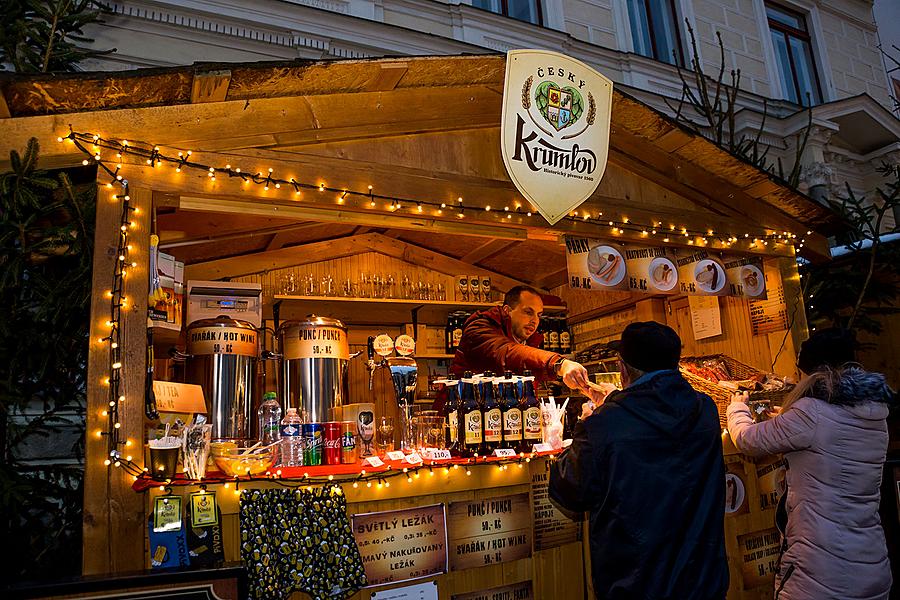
(833, 434)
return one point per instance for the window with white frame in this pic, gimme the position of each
(654, 30)
(523, 10)
(792, 42)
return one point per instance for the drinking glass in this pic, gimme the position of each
(384, 434)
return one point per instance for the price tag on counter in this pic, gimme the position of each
(436, 454)
(504, 452)
(395, 455)
(413, 458)
(374, 461)
(542, 448)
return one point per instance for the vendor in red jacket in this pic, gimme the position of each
(503, 338)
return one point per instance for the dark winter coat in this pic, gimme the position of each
(648, 467)
(835, 452)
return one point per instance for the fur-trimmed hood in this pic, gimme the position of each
(853, 385)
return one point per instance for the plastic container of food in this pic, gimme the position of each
(245, 461)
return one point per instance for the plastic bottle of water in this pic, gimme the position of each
(269, 416)
(291, 440)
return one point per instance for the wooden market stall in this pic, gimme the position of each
(389, 166)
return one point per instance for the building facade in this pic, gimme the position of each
(790, 53)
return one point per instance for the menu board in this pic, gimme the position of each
(516, 591)
(770, 314)
(759, 557)
(398, 545)
(706, 318)
(489, 531)
(603, 265)
(552, 528)
(770, 476)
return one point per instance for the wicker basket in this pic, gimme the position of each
(722, 396)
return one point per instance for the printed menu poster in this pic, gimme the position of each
(552, 528)
(516, 591)
(706, 318)
(769, 314)
(605, 265)
(489, 531)
(759, 557)
(398, 545)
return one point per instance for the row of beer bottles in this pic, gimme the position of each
(488, 413)
(557, 337)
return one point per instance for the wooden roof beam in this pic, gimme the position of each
(211, 86)
(430, 259)
(484, 251)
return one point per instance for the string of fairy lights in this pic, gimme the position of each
(658, 230)
(108, 154)
(377, 479)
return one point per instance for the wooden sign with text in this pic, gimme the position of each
(174, 397)
(552, 528)
(398, 545)
(489, 531)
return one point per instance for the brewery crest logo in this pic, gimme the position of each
(555, 129)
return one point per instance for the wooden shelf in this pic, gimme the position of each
(378, 311)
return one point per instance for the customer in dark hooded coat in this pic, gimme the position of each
(647, 465)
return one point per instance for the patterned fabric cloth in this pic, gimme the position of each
(299, 540)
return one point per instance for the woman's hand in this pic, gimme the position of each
(742, 397)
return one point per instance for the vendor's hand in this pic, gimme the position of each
(573, 374)
(742, 397)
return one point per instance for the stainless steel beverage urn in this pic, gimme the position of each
(314, 362)
(222, 360)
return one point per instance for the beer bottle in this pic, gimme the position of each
(552, 334)
(469, 415)
(457, 332)
(565, 337)
(493, 415)
(448, 334)
(531, 414)
(451, 412)
(512, 414)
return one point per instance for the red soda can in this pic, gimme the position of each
(348, 442)
(332, 443)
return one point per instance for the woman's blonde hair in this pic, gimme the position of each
(819, 385)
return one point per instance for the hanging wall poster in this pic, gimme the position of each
(604, 265)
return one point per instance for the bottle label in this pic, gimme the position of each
(473, 428)
(290, 430)
(512, 424)
(565, 340)
(532, 423)
(457, 336)
(554, 339)
(453, 426)
(493, 425)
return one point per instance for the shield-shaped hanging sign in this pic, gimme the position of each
(555, 130)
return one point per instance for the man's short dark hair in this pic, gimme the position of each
(513, 296)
